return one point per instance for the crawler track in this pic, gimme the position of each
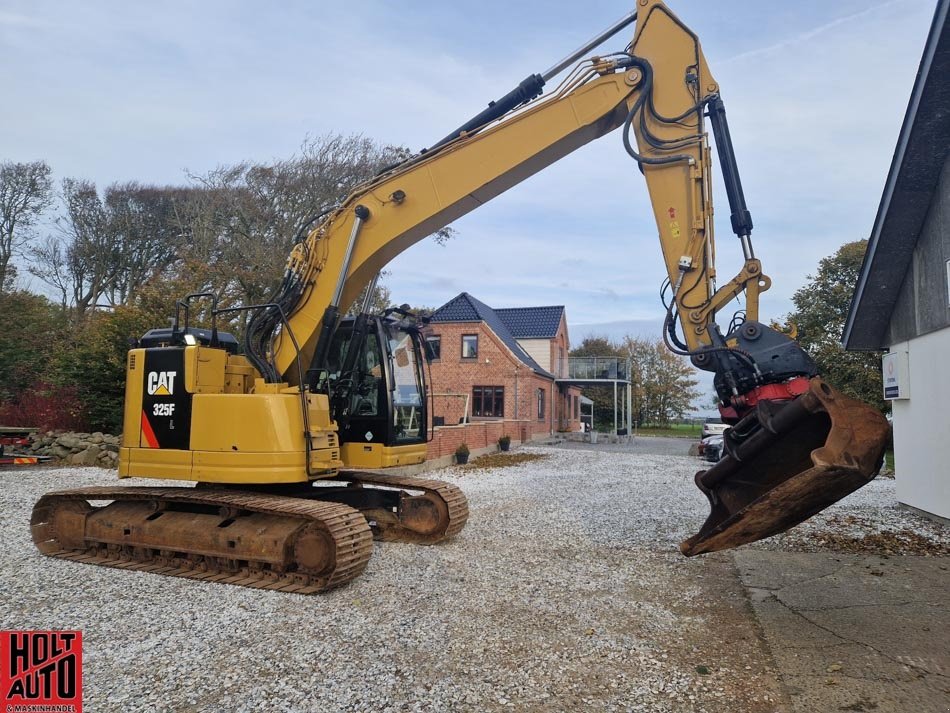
(276, 542)
(438, 514)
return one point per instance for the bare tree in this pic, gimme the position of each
(231, 232)
(83, 260)
(263, 209)
(25, 192)
(49, 263)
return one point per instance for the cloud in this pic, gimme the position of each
(142, 91)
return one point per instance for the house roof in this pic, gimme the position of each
(922, 149)
(532, 322)
(465, 308)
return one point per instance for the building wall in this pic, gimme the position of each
(569, 397)
(495, 366)
(923, 305)
(550, 353)
(920, 323)
(922, 428)
(479, 435)
(540, 351)
(569, 409)
(559, 349)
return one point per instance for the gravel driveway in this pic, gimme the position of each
(565, 591)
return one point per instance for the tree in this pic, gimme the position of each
(596, 346)
(91, 362)
(149, 232)
(25, 192)
(82, 262)
(9, 279)
(230, 233)
(664, 384)
(262, 209)
(822, 308)
(108, 249)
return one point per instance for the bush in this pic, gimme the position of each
(462, 450)
(46, 407)
(32, 325)
(504, 442)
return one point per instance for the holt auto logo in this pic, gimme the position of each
(41, 671)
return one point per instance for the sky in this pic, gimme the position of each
(815, 91)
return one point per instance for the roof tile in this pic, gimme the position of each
(532, 322)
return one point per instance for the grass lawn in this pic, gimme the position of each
(676, 430)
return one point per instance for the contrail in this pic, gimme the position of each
(814, 32)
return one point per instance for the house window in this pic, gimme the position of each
(540, 404)
(469, 346)
(488, 401)
(434, 347)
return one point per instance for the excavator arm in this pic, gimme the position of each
(796, 446)
(660, 90)
(661, 75)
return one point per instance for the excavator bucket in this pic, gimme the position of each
(786, 461)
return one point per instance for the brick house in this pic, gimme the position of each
(495, 372)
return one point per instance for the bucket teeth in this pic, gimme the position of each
(785, 462)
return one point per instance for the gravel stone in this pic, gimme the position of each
(566, 591)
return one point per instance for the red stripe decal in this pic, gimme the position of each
(147, 431)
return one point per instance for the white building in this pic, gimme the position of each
(902, 300)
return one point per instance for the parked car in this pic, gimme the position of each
(701, 450)
(713, 427)
(713, 449)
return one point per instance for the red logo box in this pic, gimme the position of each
(41, 671)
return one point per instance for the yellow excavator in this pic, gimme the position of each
(288, 433)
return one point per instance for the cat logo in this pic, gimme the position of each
(160, 383)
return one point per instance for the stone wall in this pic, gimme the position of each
(99, 449)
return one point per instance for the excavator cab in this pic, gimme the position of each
(379, 403)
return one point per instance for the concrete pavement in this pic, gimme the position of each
(852, 632)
